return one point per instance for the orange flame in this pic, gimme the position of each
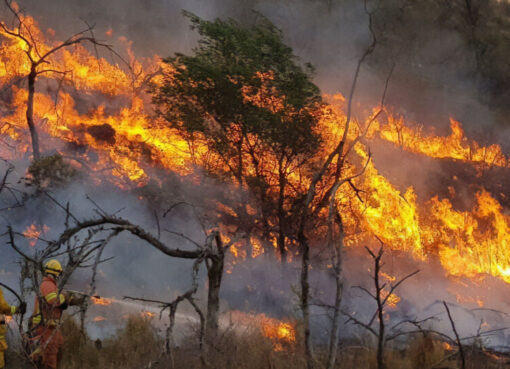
(33, 232)
(148, 314)
(101, 301)
(454, 146)
(392, 300)
(281, 333)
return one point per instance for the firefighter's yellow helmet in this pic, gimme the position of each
(53, 266)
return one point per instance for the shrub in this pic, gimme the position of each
(49, 172)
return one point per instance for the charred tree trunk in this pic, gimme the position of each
(169, 340)
(281, 214)
(30, 113)
(337, 265)
(459, 342)
(305, 295)
(380, 313)
(215, 266)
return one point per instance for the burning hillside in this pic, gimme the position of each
(122, 141)
(293, 169)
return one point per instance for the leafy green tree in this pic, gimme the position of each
(244, 94)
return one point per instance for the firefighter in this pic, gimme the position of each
(48, 310)
(6, 309)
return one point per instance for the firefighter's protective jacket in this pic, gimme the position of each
(5, 309)
(53, 303)
(49, 306)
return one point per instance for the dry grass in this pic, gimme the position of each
(133, 347)
(233, 350)
(138, 344)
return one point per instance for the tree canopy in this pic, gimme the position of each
(253, 103)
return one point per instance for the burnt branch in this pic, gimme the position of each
(36, 60)
(381, 297)
(11, 290)
(65, 208)
(12, 243)
(174, 304)
(92, 289)
(393, 288)
(360, 323)
(129, 227)
(459, 343)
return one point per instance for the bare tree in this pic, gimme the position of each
(315, 202)
(172, 310)
(457, 338)
(212, 252)
(81, 244)
(14, 198)
(381, 295)
(40, 62)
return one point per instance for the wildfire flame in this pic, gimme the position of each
(99, 318)
(454, 146)
(281, 333)
(101, 301)
(33, 232)
(121, 145)
(392, 300)
(148, 314)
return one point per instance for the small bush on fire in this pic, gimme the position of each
(49, 172)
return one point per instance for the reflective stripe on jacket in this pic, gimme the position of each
(50, 310)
